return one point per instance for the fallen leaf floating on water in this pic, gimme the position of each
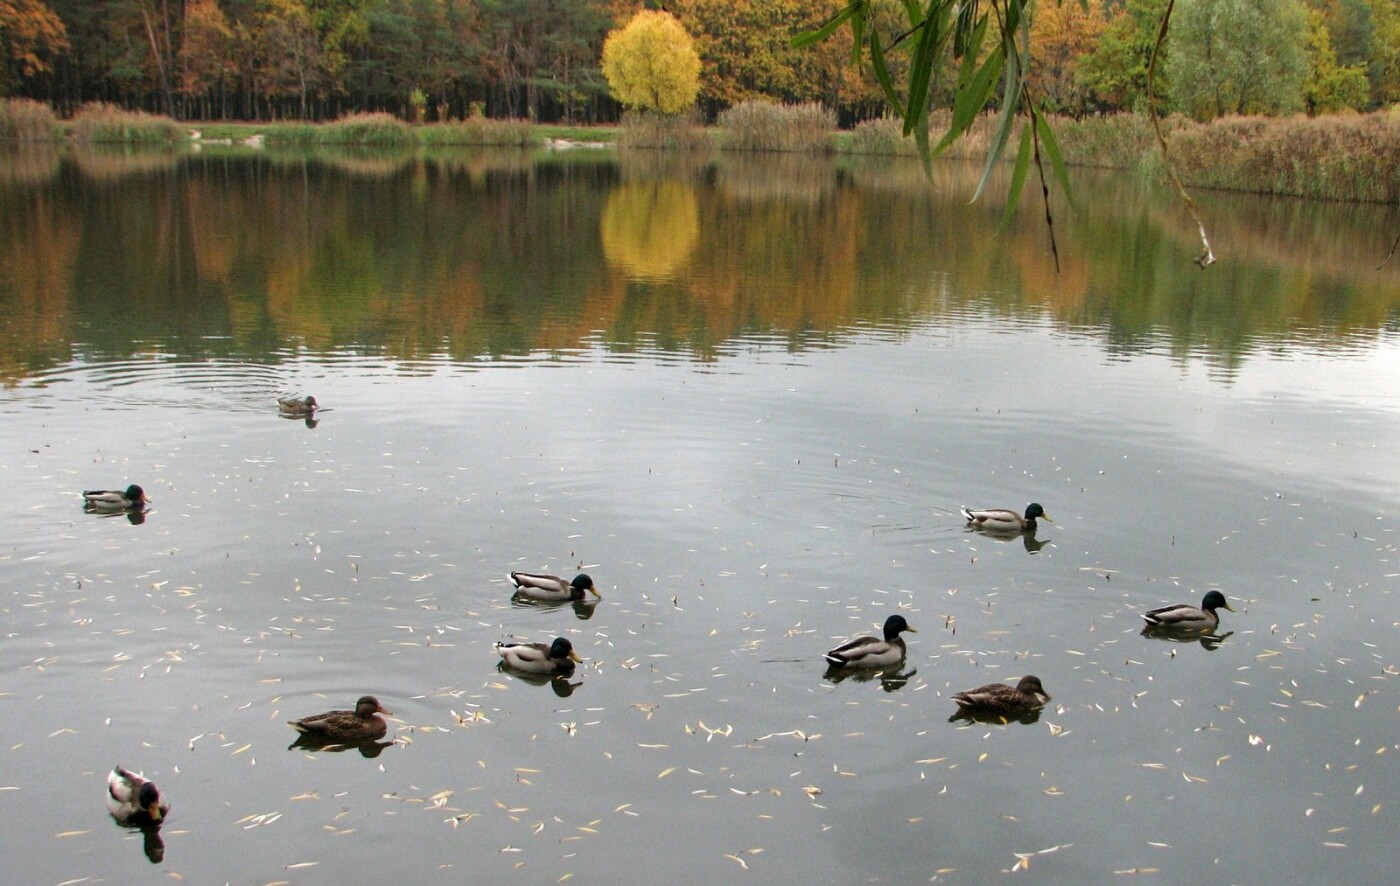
(737, 860)
(262, 818)
(71, 834)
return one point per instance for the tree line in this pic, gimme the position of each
(432, 60)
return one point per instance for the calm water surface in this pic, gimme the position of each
(748, 399)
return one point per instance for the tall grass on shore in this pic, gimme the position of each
(648, 130)
(25, 120)
(481, 131)
(884, 135)
(377, 129)
(1344, 157)
(765, 126)
(99, 122)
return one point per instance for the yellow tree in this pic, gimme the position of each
(651, 64)
(1062, 34)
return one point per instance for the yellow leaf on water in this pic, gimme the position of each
(72, 833)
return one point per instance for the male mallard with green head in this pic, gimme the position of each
(557, 658)
(1184, 617)
(115, 500)
(873, 652)
(1005, 519)
(133, 799)
(552, 588)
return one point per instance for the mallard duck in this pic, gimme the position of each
(552, 588)
(1004, 519)
(293, 406)
(873, 652)
(1003, 700)
(113, 500)
(1183, 617)
(134, 800)
(557, 658)
(358, 725)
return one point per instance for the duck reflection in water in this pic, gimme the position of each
(369, 748)
(892, 679)
(151, 841)
(1209, 640)
(560, 683)
(309, 418)
(968, 716)
(1027, 538)
(583, 609)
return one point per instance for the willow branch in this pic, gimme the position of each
(1207, 256)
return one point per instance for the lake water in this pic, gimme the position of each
(747, 396)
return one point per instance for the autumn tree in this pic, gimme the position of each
(1331, 87)
(1113, 72)
(1238, 57)
(746, 52)
(31, 36)
(1384, 68)
(651, 64)
(540, 49)
(206, 53)
(290, 61)
(1061, 35)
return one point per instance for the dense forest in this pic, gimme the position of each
(432, 60)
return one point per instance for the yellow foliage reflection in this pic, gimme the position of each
(650, 228)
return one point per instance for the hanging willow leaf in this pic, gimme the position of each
(831, 26)
(991, 73)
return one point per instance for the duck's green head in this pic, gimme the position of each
(562, 648)
(1035, 512)
(1216, 600)
(136, 494)
(149, 797)
(895, 625)
(583, 582)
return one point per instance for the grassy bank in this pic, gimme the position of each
(1342, 157)
(1348, 158)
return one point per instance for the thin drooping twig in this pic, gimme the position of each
(1207, 256)
(1044, 188)
(1391, 254)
